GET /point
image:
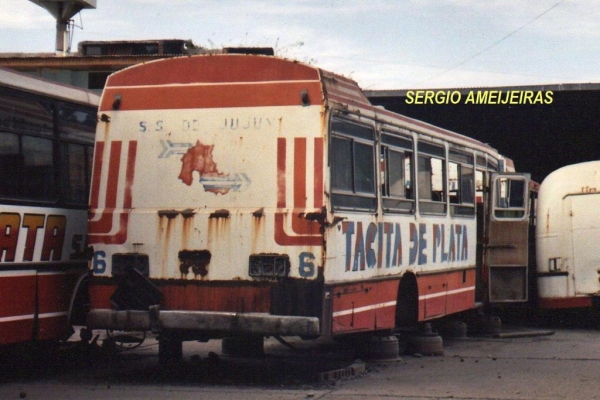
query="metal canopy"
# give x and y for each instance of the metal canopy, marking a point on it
(63, 11)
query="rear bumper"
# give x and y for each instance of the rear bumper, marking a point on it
(209, 322)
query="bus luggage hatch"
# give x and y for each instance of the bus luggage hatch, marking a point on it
(506, 250)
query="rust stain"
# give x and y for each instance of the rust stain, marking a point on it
(188, 224)
(218, 221)
(168, 230)
(165, 227)
(185, 233)
(220, 214)
(106, 127)
(258, 217)
(169, 214)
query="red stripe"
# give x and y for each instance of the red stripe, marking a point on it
(352, 297)
(312, 236)
(100, 295)
(318, 188)
(130, 173)
(213, 68)
(113, 174)
(105, 223)
(305, 233)
(52, 328)
(212, 96)
(299, 172)
(441, 303)
(564, 302)
(99, 229)
(118, 238)
(300, 225)
(53, 295)
(54, 292)
(16, 331)
(197, 297)
(281, 182)
(18, 295)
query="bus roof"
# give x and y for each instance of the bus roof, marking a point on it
(264, 80)
(31, 84)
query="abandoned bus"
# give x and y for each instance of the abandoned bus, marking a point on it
(567, 233)
(46, 147)
(251, 195)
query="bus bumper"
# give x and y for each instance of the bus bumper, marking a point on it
(210, 322)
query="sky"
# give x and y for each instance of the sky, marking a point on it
(382, 44)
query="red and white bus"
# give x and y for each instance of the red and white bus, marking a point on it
(251, 195)
(46, 148)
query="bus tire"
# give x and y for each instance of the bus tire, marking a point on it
(170, 350)
(407, 305)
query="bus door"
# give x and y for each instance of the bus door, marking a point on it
(506, 240)
(482, 203)
(584, 236)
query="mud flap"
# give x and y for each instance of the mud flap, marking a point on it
(135, 292)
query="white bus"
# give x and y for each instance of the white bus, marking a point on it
(46, 149)
(567, 235)
(250, 195)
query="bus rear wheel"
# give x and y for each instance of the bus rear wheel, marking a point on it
(407, 305)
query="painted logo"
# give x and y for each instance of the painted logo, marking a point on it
(199, 158)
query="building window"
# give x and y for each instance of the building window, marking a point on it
(93, 51)
(97, 80)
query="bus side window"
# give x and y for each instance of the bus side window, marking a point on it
(396, 172)
(352, 160)
(11, 165)
(479, 186)
(461, 183)
(38, 169)
(431, 178)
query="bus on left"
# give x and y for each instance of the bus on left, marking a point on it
(46, 149)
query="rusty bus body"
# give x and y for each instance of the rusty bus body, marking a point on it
(567, 233)
(46, 140)
(251, 195)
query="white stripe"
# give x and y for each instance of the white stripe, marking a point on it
(29, 272)
(30, 316)
(54, 314)
(46, 273)
(449, 292)
(11, 274)
(365, 308)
